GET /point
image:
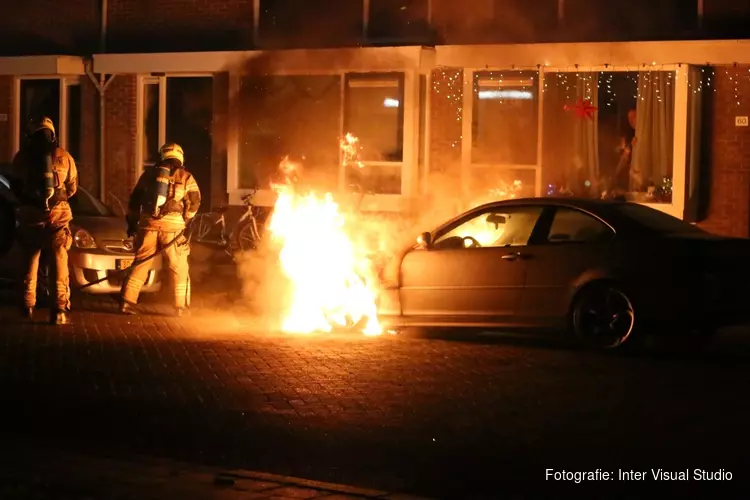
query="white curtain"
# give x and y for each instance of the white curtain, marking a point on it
(654, 131)
(586, 132)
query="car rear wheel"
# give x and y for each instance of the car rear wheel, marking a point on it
(603, 317)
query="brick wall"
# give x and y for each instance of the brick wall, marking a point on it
(179, 25)
(120, 137)
(31, 27)
(88, 161)
(445, 125)
(218, 195)
(726, 153)
(6, 127)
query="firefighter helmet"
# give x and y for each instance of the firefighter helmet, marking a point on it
(45, 123)
(172, 151)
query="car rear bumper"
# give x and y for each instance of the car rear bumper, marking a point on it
(711, 303)
(87, 268)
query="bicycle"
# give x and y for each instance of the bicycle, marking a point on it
(244, 236)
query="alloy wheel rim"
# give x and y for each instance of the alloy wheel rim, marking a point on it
(605, 319)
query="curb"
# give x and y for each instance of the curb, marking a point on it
(148, 470)
(233, 475)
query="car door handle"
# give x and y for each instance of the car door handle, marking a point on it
(514, 256)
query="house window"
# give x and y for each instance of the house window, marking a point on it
(289, 116)
(189, 115)
(504, 134)
(374, 113)
(505, 118)
(397, 19)
(39, 98)
(609, 134)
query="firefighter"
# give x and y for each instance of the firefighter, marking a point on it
(164, 201)
(47, 177)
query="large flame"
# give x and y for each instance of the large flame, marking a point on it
(332, 282)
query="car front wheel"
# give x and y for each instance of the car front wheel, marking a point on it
(603, 317)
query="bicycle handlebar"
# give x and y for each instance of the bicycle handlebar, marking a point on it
(249, 196)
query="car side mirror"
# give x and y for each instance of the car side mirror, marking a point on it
(425, 239)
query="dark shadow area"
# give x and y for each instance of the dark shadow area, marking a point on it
(131, 397)
(286, 24)
(194, 39)
(21, 43)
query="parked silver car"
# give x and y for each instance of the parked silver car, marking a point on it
(100, 250)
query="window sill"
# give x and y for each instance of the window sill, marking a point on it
(370, 203)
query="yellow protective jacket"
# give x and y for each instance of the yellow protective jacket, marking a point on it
(66, 185)
(183, 201)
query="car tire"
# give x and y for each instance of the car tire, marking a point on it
(603, 317)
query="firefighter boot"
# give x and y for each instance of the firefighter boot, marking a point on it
(127, 308)
(27, 312)
(59, 318)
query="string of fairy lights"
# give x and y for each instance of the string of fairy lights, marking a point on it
(449, 81)
(586, 85)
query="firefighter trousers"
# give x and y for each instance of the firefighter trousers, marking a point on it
(147, 243)
(52, 242)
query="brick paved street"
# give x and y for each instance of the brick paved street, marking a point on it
(434, 417)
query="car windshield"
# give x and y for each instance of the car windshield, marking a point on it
(657, 221)
(85, 205)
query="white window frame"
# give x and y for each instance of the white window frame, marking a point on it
(374, 202)
(680, 140)
(161, 81)
(61, 128)
(467, 136)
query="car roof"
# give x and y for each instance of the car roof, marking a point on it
(584, 203)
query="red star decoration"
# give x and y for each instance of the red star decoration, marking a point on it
(583, 109)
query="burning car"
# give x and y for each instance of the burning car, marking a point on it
(101, 250)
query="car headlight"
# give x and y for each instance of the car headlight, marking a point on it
(84, 239)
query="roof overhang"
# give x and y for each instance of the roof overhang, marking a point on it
(566, 55)
(298, 61)
(42, 65)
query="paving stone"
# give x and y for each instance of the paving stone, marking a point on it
(293, 492)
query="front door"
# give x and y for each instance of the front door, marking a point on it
(574, 244)
(475, 268)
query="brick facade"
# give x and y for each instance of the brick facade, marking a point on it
(726, 153)
(179, 25)
(120, 138)
(88, 162)
(32, 27)
(6, 127)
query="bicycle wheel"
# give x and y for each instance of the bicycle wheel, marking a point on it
(202, 226)
(246, 237)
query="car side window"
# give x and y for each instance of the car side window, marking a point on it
(573, 226)
(511, 226)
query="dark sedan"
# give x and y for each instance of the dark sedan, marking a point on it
(606, 271)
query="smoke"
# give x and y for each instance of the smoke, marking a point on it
(296, 120)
